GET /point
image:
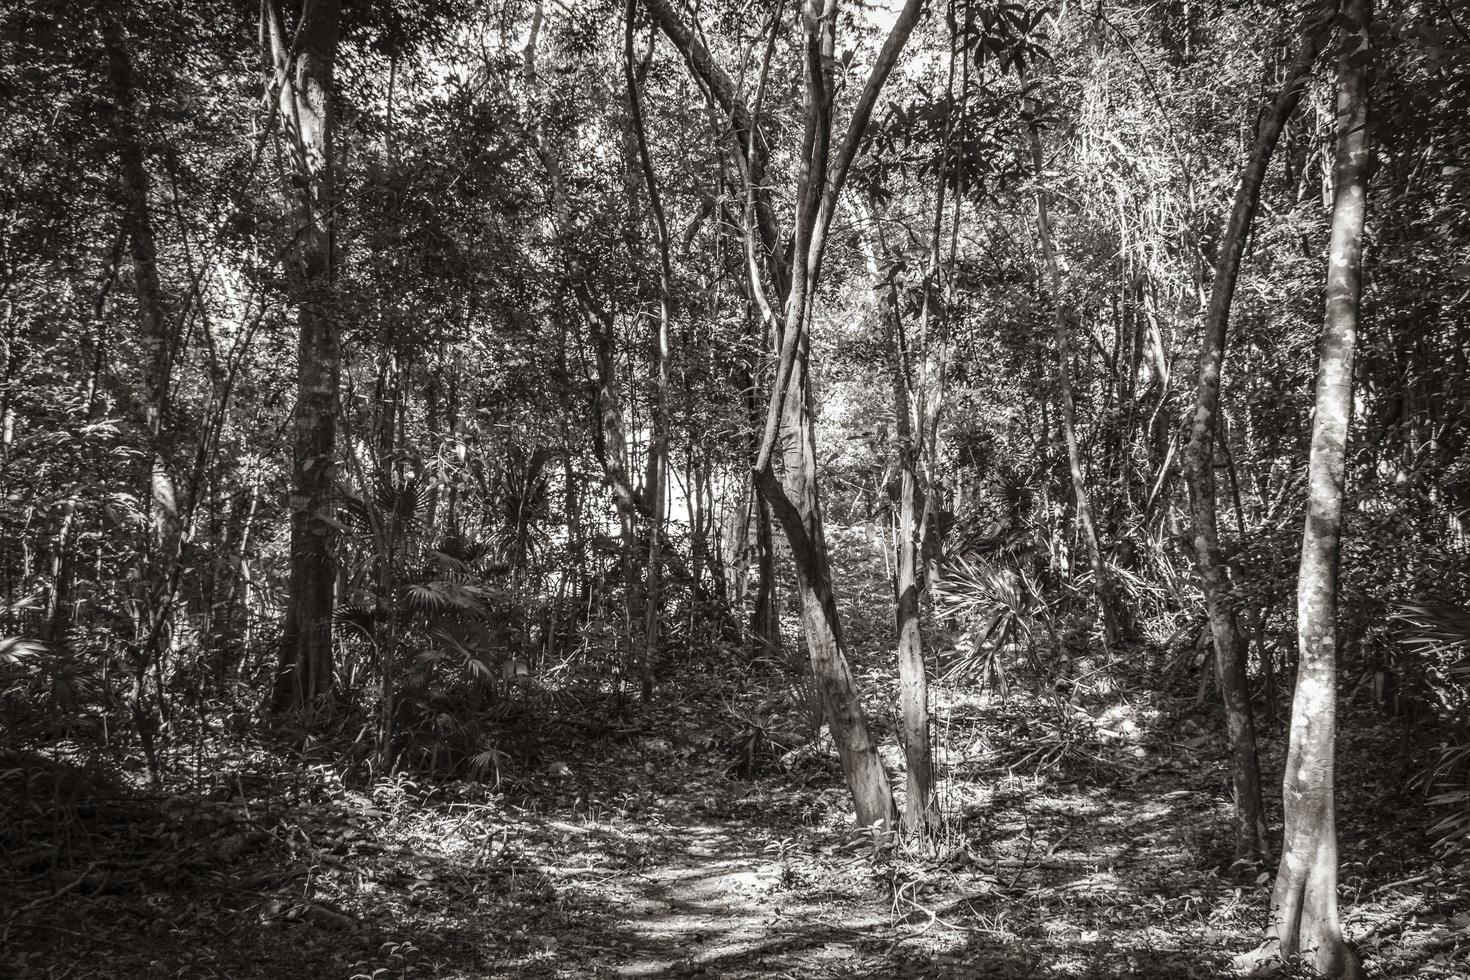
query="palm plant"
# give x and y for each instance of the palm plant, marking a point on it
(408, 589)
(1439, 636)
(1002, 608)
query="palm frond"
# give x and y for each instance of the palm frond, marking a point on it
(445, 595)
(19, 649)
(1433, 630)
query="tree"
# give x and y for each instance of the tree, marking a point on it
(1199, 459)
(795, 499)
(1304, 913)
(795, 274)
(160, 552)
(656, 488)
(301, 57)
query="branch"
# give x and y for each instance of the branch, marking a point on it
(862, 113)
(750, 145)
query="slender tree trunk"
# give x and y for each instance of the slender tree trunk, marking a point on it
(912, 678)
(1113, 629)
(1199, 467)
(911, 429)
(658, 448)
(303, 79)
(765, 619)
(155, 331)
(159, 551)
(765, 622)
(1304, 913)
(614, 453)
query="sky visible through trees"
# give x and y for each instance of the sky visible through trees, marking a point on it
(933, 488)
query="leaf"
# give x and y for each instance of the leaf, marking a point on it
(15, 649)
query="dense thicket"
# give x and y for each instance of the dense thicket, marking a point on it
(358, 363)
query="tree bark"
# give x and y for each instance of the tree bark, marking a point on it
(1304, 912)
(159, 550)
(913, 681)
(1199, 466)
(911, 429)
(303, 81)
(841, 702)
(765, 622)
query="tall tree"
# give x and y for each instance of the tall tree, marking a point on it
(301, 56)
(1199, 458)
(790, 422)
(1304, 913)
(159, 554)
(656, 489)
(791, 419)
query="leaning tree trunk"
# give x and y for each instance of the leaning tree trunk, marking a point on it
(303, 76)
(795, 275)
(1199, 468)
(797, 506)
(1304, 914)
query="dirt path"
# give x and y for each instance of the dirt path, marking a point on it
(689, 873)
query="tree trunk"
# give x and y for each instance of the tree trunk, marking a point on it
(1199, 467)
(911, 430)
(1113, 630)
(613, 446)
(765, 622)
(1304, 904)
(155, 332)
(796, 503)
(658, 446)
(303, 76)
(913, 682)
(160, 549)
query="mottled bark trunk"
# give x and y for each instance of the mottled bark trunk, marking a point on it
(159, 551)
(231, 594)
(1113, 630)
(1199, 467)
(1304, 910)
(913, 682)
(765, 622)
(614, 455)
(303, 78)
(797, 506)
(794, 499)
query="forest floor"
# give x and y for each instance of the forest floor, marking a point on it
(682, 839)
(640, 852)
